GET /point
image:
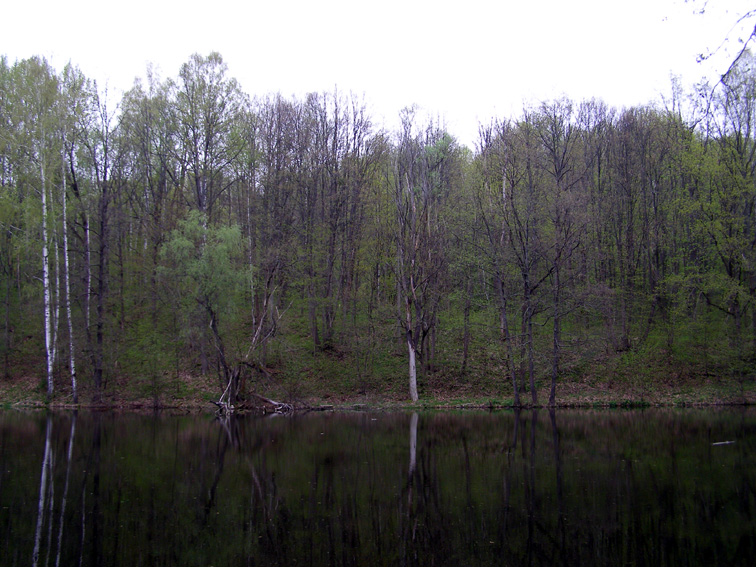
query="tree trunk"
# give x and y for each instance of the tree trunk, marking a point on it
(506, 337)
(49, 350)
(56, 292)
(527, 347)
(67, 299)
(102, 287)
(313, 322)
(8, 330)
(412, 367)
(556, 338)
(88, 270)
(531, 361)
(466, 332)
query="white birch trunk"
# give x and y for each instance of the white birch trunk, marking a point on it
(88, 301)
(49, 351)
(251, 253)
(55, 292)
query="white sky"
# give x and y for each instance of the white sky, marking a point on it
(466, 61)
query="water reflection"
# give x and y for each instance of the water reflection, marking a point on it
(510, 488)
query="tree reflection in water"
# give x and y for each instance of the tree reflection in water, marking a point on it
(511, 488)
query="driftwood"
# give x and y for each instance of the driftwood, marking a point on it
(224, 408)
(269, 406)
(277, 407)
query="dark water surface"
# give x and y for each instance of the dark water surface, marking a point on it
(673, 487)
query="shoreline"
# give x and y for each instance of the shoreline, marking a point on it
(195, 406)
(194, 394)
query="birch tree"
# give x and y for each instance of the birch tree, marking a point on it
(73, 97)
(37, 144)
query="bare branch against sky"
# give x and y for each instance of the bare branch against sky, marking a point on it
(466, 62)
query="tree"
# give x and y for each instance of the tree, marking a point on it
(419, 183)
(727, 207)
(102, 161)
(207, 106)
(335, 155)
(741, 32)
(35, 128)
(202, 266)
(492, 207)
(72, 97)
(560, 138)
(149, 137)
(522, 191)
(272, 210)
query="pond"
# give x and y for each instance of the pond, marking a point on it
(645, 487)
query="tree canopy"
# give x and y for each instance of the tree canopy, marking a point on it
(189, 228)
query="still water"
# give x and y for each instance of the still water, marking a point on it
(672, 487)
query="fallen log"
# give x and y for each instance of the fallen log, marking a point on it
(277, 407)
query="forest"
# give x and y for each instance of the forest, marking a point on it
(189, 229)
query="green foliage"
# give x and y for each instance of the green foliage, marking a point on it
(295, 241)
(205, 262)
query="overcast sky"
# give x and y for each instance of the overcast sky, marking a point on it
(465, 61)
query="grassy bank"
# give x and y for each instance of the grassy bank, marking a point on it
(699, 369)
(331, 380)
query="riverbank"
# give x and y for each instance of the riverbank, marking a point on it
(194, 394)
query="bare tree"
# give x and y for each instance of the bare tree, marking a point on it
(419, 181)
(560, 137)
(35, 125)
(492, 206)
(742, 33)
(522, 191)
(101, 161)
